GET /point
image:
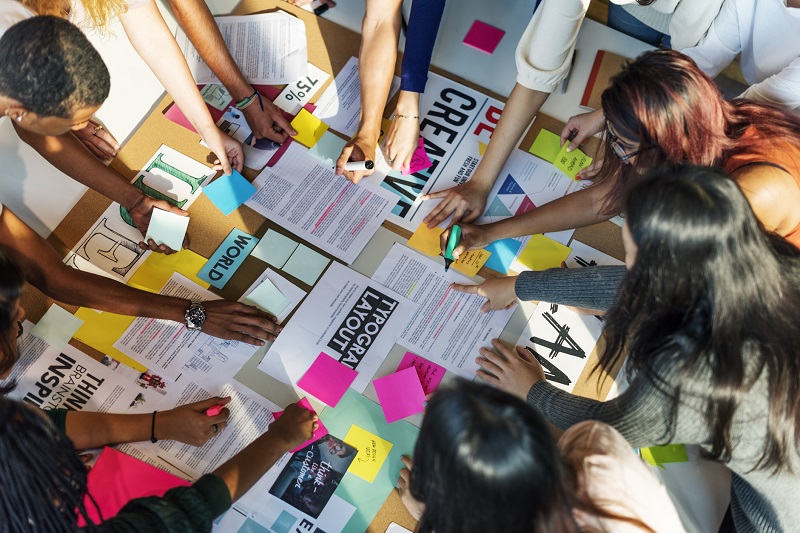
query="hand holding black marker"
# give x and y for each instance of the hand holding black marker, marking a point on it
(354, 166)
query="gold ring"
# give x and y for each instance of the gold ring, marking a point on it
(97, 128)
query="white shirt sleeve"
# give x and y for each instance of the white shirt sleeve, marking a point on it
(544, 52)
(691, 20)
(781, 89)
(721, 43)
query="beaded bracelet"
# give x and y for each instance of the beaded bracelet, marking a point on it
(244, 103)
(153, 438)
(406, 116)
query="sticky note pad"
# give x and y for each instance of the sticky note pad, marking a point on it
(372, 452)
(327, 379)
(658, 455)
(471, 261)
(318, 434)
(570, 163)
(542, 253)
(483, 37)
(57, 326)
(268, 298)
(547, 145)
(275, 248)
(400, 394)
(429, 374)
(503, 254)
(306, 265)
(419, 160)
(309, 128)
(328, 148)
(228, 192)
(167, 228)
(228, 258)
(426, 240)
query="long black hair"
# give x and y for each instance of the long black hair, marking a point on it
(711, 291)
(42, 480)
(486, 461)
(11, 284)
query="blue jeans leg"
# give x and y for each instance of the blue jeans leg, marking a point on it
(621, 20)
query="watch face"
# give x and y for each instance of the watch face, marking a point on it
(195, 317)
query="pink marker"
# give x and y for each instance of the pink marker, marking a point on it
(214, 410)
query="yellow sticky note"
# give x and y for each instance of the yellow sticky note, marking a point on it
(471, 261)
(542, 253)
(385, 125)
(570, 163)
(309, 128)
(102, 330)
(547, 145)
(372, 452)
(426, 240)
(482, 148)
(157, 269)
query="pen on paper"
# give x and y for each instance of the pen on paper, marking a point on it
(359, 165)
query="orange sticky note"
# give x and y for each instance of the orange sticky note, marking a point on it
(542, 253)
(309, 128)
(471, 261)
(427, 241)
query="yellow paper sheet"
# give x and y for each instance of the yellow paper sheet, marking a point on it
(385, 125)
(547, 145)
(309, 128)
(542, 253)
(372, 452)
(157, 269)
(102, 330)
(427, 241)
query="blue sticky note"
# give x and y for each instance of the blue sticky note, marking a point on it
(328, 148)
(306, 265)
(229, 191)
(503, 254)
(275, 248)
(228, 258)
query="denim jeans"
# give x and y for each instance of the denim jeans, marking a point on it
(621, 20)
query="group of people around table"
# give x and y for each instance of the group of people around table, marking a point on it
(704, 312)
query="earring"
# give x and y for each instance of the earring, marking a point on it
(19, 118)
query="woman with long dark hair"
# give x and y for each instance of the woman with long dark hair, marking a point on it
(708, 317)
(485, 461)
(659, 109)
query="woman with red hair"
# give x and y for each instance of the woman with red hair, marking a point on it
(661, 108)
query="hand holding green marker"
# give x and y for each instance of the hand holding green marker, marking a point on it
(452, 241)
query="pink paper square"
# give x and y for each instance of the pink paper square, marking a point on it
(419, 160)
(400, 394)
(430, 374)
(117, 478)
(327, 379)
(318, 434)
(483, 37)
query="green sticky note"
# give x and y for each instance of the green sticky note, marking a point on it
(354, 412)
(268, 298)
(328, 148)
(309, 128)
(542, 253)
(306, 265)
(570, 163)
(167, 228)
(547, 145)
(57, 326)
(658, 455)
(275, 248)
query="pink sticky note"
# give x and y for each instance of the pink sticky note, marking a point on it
(483, 37)
(117, 478)
(318, 434)
(327, 379)
(420, 160)
(400, 394)
(430, 374)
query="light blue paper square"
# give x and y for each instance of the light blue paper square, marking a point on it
(306, 265)
(167, 228)
(57, 326)
(328, 148)
(230, 191)
(503, 254)
(275, 248)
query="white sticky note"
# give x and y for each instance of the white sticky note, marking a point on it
(167, 228)
(274, 248)
(306, 265)
(268, 298)
(57, 326)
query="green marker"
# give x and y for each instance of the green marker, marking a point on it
(452, 241)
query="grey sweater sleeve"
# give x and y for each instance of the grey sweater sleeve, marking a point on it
(589, 287)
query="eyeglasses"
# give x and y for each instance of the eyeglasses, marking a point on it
(21, 330)
(619, 150)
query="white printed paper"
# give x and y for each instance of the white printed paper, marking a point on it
(349, 317)
(583, 255)
(171, 349)
(448, 327)
(307, 198)
(340, 105)
(268, 48)
(297, 94)
(562, 341)
(290, 291)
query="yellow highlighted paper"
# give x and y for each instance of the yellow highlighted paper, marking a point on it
(157, 269)
(309, 128)
(102, 330)
(372, 452)
(427, 241)
(542, 253)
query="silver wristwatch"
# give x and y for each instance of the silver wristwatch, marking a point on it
(195, 316)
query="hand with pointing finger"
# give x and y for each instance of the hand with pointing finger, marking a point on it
(499, 292)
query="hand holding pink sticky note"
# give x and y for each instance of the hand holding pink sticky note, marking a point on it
(419, 160)
(318, 434)
(400, 394)
(430, 374)
(327, 379)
